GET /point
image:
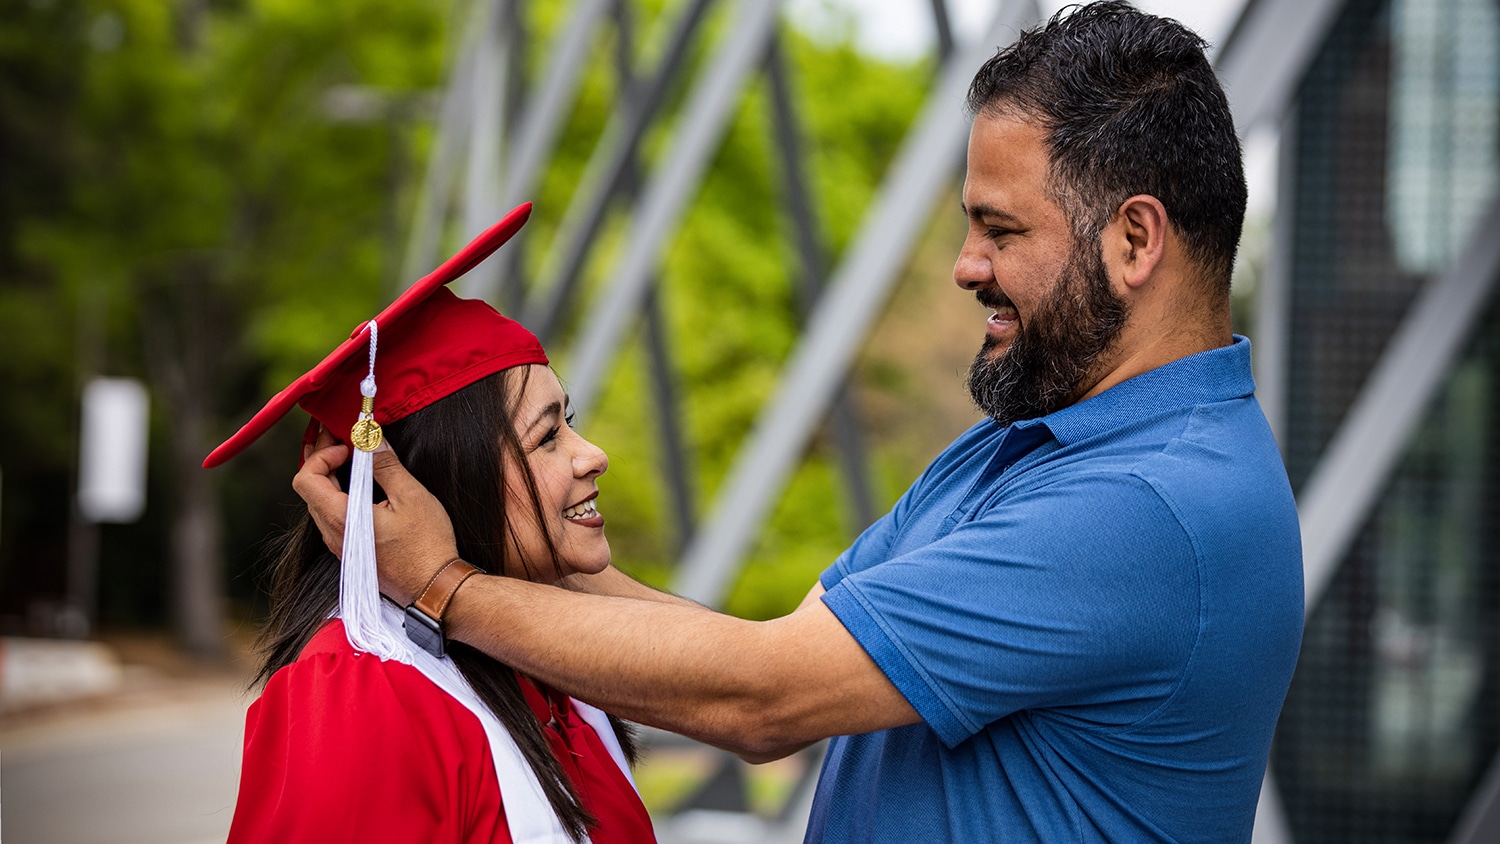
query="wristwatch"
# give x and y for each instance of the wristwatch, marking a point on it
(424, 617)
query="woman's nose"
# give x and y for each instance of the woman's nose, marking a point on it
(589, 460)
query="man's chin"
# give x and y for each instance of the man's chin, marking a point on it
(993, 347)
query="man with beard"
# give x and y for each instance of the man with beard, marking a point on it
(1080, 623)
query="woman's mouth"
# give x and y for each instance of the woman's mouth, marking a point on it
(585, 513)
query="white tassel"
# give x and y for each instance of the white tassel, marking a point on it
(359, 584)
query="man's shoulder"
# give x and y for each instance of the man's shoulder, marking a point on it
(1210, 468)
(1223, 454)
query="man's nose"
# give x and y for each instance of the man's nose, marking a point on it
(971, 271)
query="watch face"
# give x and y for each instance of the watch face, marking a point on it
(423, 631)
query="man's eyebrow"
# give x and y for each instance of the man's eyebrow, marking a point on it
(981, 211)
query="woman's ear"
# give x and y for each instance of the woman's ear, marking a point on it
(1135, 240)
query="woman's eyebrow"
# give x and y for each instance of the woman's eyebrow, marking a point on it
(551, 410)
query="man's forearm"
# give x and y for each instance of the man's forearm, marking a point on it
(618, 584)
(761, 689)
(668, 676)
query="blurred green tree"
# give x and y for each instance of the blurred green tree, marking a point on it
(192, 212)
(187, 196)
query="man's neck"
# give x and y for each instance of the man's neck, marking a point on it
(1147, 344)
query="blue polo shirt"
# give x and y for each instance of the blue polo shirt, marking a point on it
(1096, 614)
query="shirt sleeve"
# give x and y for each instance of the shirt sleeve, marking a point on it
(1081, 597)
(343, 747)
(873, 545)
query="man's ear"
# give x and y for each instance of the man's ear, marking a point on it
(1135, 240)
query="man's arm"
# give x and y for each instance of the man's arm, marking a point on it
(612, 581)
(760, 689)
(316, 477)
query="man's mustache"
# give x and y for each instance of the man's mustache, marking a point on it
(991, 297)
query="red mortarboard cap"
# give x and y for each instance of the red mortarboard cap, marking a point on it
(431, 344)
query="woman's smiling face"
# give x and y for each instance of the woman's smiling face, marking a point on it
(566, 468)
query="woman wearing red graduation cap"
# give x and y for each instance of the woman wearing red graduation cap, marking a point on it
(371, 726)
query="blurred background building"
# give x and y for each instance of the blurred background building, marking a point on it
(1379, 329)
(745, 222)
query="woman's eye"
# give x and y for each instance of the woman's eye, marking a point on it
(550, 437)
(571, 417)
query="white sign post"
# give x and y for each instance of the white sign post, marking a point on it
(111, 486)
(112, 450)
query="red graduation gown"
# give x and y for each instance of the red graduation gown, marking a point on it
(344, 747)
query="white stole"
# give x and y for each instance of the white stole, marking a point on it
(527, 810)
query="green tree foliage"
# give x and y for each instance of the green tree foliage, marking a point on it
(209, 194)
(191, 213)
(728, 282)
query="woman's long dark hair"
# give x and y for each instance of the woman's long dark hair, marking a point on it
(457, 447)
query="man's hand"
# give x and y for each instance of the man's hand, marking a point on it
(413, 535)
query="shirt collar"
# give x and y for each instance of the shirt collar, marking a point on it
(1216, 375)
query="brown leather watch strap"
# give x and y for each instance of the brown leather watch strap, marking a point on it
(433, 601)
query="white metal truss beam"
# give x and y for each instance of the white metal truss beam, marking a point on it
(535, 134)
(704, 122)
(547, 111)
(1270, 818)
(485, 171)
(1268, 52)
(613, 158)
(1480, 822)
(1273, 299)
(854, 297)
(1344, 487)
(471, 126)
(1261, 64)
(453, 128)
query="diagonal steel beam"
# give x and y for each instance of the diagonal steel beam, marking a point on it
(453, 130)
(807, 235)
(1480, 821)
(543, 116)
(601, 180)
(857, 290)
(488, 132)
(1342, 491)
(1270, 818)
(942, 26)
(1273, 299)
(1266, 54)
(1344, 488)
(1261, 65)
(704, 122)
(481, 65)
(676, 461)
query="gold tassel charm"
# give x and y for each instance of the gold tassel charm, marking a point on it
(366, 435)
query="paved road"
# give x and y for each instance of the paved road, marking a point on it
(159, 764)
(156, 766)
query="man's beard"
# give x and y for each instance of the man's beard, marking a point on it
(1055, 349)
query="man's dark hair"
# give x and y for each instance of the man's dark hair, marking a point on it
(1130, 106)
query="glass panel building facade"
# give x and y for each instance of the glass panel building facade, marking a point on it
(1393, 718)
